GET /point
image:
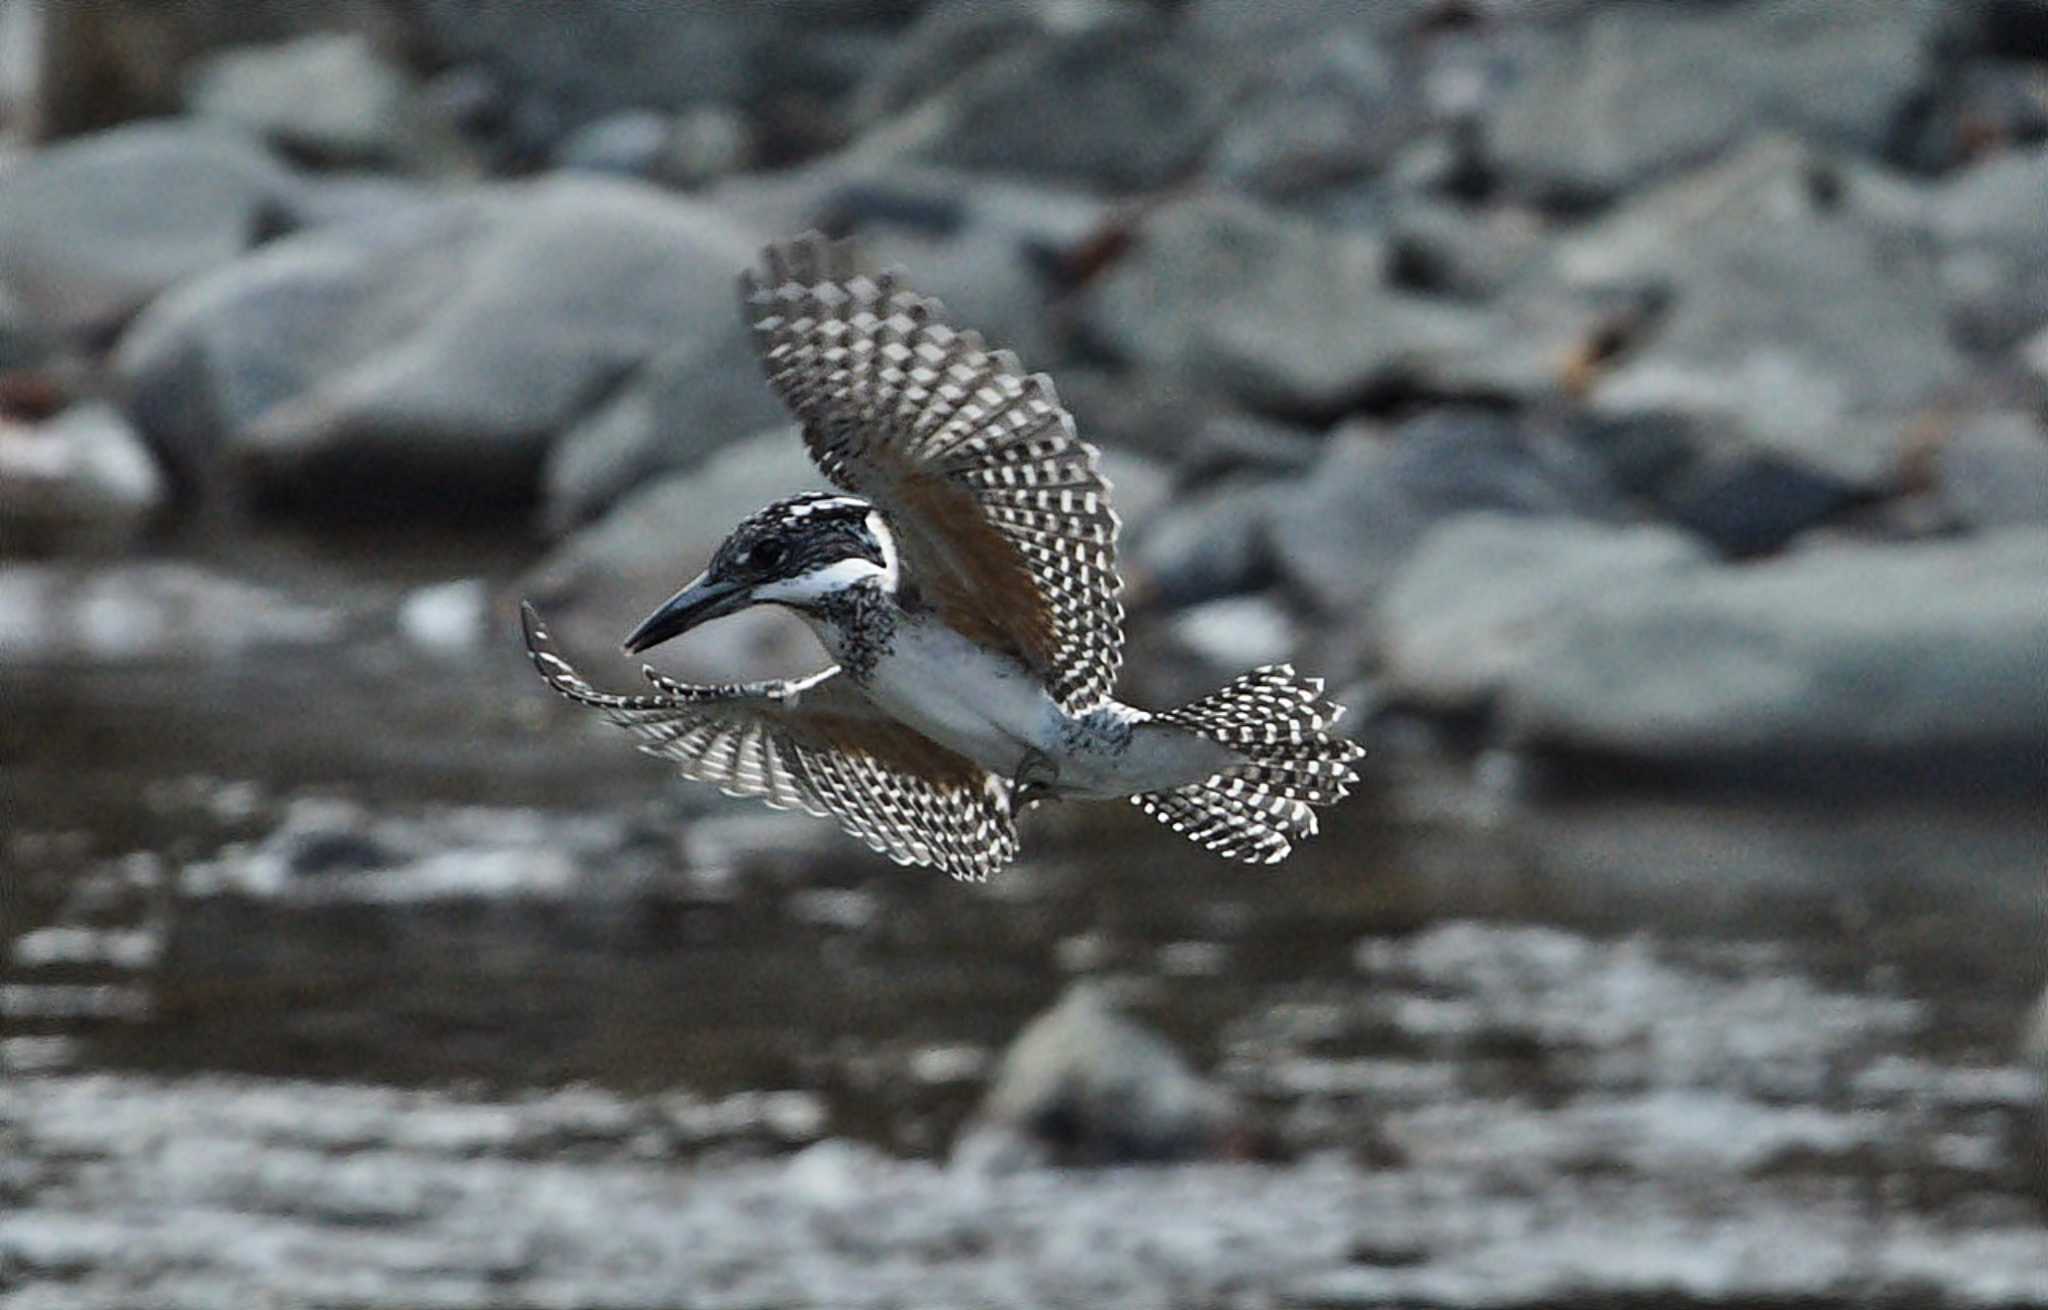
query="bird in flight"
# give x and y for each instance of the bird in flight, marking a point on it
(965, 582)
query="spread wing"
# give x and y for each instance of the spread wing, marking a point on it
(999, 508)
(815, 744)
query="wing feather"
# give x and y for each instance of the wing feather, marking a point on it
(815, 744)
(1001, 510)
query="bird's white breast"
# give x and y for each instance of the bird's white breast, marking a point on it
(963, 696)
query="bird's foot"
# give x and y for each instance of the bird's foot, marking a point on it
(1034, 780)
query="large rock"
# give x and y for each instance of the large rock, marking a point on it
(1993, 471)
(82, 481)
(1991, 222)
(92, 230)
(1352, 520)
(1299, 319)
(584, 61)
(1120, 106)
(1212, 544)
(688, 402)
(1807, 318)
(949, 43)
(1085, 1084)
(1702, 472)
(1453, 624)
(1632, 646)
(442, 348)
(1643, 89)
(1334, 109)
(327, 95)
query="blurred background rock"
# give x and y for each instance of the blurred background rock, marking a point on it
(1639, 411)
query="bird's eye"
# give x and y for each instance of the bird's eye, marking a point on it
(766, 554)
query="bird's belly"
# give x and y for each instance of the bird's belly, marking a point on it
(986, 707)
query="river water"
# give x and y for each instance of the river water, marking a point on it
(359, 973)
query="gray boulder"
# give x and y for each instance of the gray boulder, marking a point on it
(1993, 471)
(1991, 222)
(1250, 30)
(689, 401)
(949, 43)
(1814, 329)
(1343, 529)
(1298, 319)
(1084, 1084)
(584, 61)
(1211, 544)
(1335, 109)
(1702, 472)
(1120, 106)
(445, 346)
(1635, 648)
(1453, 624)
(1641, 90)
(95, 228)
(327, 95)
(81, 482)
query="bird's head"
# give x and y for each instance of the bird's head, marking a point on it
(800, 552)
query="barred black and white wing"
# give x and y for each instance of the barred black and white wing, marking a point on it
(1291, 760)
(1000, 509)
(816, 744)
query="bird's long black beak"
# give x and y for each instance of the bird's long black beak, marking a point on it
(700, 602)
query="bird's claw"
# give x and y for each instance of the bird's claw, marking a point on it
(1034, 780)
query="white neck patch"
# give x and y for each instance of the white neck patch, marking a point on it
(878, 527)
(808, 588)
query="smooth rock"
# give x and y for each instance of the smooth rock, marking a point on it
(1140, 487)
(1349, 523)
(631, 143)
(1993, 471)
(1337, 108)
(1642, 90)
(93, 229)
(440, 350)
(591, 59)
(24, 342)
(1213, 543)
(447, 618)
(81, 482)
(1818, 333)
(686, 403)
(1700, 472)
(1912, 653)
(1253, 29)
(949, 42)
(327, 95)
(1085, 1084)
(1452, 624)
(1312, 328)
(1132, 110)
(1991, 222)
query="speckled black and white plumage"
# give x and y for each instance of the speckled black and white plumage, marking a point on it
(930, 424)
(1255, 811)
(818, 745)
(968, 590)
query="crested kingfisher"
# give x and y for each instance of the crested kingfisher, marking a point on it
(965, 583)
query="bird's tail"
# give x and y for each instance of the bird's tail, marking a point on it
(1284, 729)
